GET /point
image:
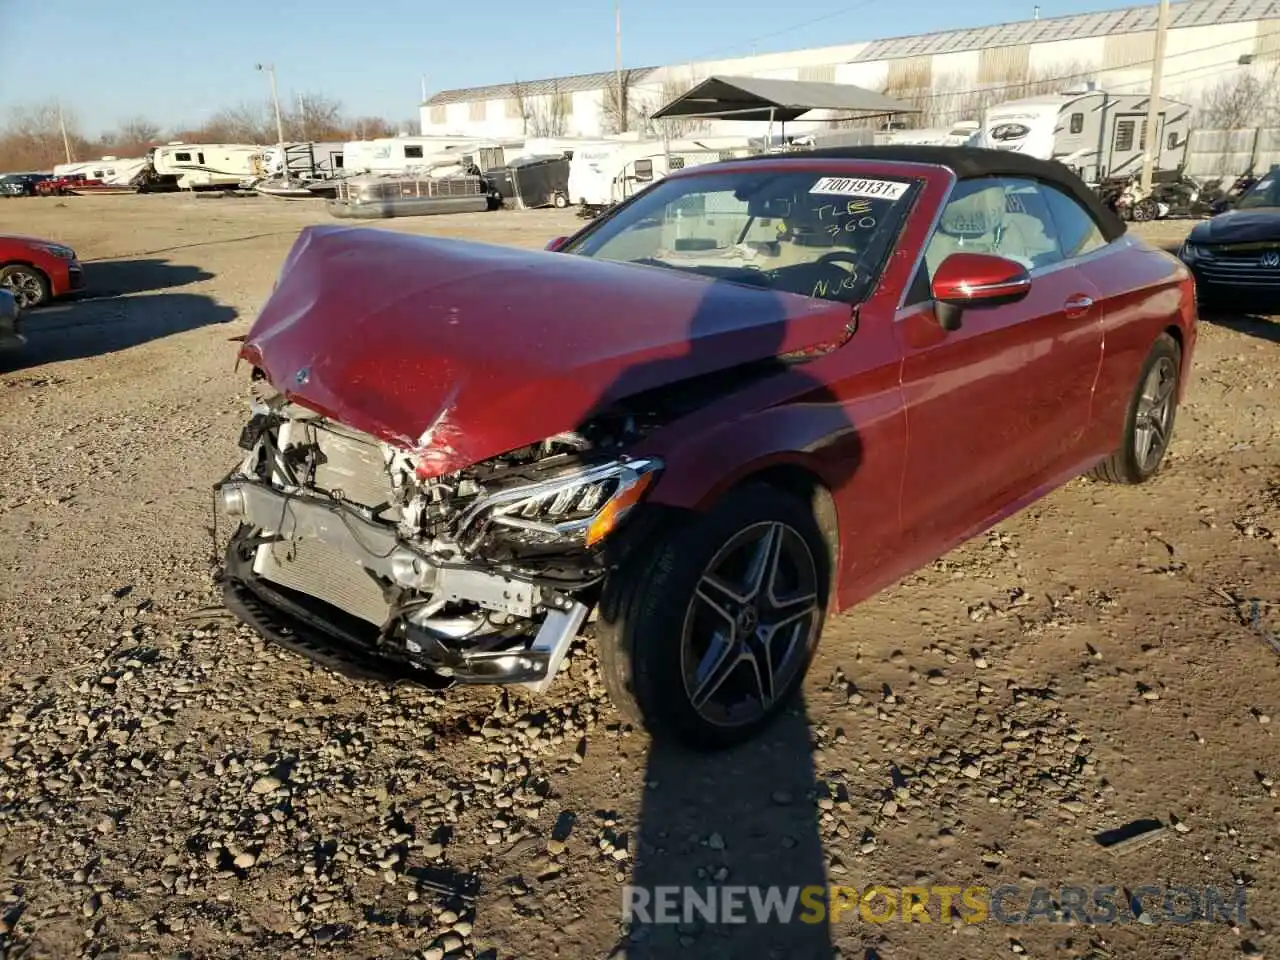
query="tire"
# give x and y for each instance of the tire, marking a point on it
(1145, 210)
(560, 201)
(656, 629)
(28, 285)
(1156, 395)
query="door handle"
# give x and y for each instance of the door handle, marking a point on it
(1077, 306)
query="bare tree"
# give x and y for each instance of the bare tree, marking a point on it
(1244, 100)
(317, 117)
(618, 106)
(549, 114)
(674, 128)
(522, 107)
(136, 135)
(370, 128)
(952, 97)
(33, 138)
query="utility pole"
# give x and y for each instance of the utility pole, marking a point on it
(66, 141)
(1153, 141)
(302, 115)
(621, 100)
(275, 99)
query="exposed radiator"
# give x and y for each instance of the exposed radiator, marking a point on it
(318, 570)
(353, 466)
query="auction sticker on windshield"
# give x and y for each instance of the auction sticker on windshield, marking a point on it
(860, 187)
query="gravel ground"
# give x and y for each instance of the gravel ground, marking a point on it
(171, 787)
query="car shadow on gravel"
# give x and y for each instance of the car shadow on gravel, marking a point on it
(1249, 324)
(744, 818)
(736, 829)
(119, 278)
(75, 330)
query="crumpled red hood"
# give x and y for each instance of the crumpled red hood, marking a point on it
(462, 351)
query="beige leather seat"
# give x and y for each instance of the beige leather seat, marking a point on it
(988, 218)
(972, 222)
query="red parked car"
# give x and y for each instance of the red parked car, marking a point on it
(757, 392)
(37, 271)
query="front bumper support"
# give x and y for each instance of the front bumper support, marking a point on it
(401, 651)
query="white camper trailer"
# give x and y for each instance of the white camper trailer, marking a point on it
(201, 165)
(307, 161)
(398, 155)
(1098, 134)
(601, 176)
(954, 136)
(112, 171)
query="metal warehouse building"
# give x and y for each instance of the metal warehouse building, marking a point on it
(1211, 45)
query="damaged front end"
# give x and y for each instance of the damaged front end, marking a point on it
(350, 551)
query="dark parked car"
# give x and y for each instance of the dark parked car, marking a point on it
(757, 392)
(10, 322)
(1235, 256)
(21, 184)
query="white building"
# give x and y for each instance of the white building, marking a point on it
(950, 76)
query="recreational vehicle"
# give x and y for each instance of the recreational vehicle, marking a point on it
(110, 171)
(200, 165)
(953, 136)
(1098, 134)
(398, 155)
(600, 176)
(307, 161)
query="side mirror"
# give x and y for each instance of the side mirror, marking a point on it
(964, 281)
(557, 243)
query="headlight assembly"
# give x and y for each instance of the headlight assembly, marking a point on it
(1190, 252)
(583, 507)
(59, 251)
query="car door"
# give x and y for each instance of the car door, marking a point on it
(997, 408)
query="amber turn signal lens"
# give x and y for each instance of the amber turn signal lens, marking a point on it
(613, 511)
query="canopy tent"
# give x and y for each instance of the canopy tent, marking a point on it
(753, 98)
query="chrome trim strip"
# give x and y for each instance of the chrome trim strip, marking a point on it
(1002, 285)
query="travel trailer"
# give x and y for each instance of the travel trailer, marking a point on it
(111, 171)
(196, 166)
(953, 136)
(600, 176)
(307, 161)
(398, 155)
(1100, 135)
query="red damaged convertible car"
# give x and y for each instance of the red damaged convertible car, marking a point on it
(757, 392)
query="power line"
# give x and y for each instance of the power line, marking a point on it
(777, 33)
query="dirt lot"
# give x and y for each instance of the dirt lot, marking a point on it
(171, 788)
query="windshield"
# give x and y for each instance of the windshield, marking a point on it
(807, 233)
(1264, 193)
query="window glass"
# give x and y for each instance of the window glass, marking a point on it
(797, 232)
(1077, 122)
(1077, 232)
(1006, 217)
(1124, 135)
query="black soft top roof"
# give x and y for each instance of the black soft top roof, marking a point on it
(971, 163)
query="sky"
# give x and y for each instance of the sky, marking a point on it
(177, 62)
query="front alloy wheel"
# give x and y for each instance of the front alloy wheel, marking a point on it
(28, 286)
(706, 633)
(747, 630)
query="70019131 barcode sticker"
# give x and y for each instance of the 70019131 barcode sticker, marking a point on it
(860, 187)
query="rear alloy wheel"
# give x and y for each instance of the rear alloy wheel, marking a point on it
(1148, 426)
(1145, 210)
(708, 634)
(27, 284)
